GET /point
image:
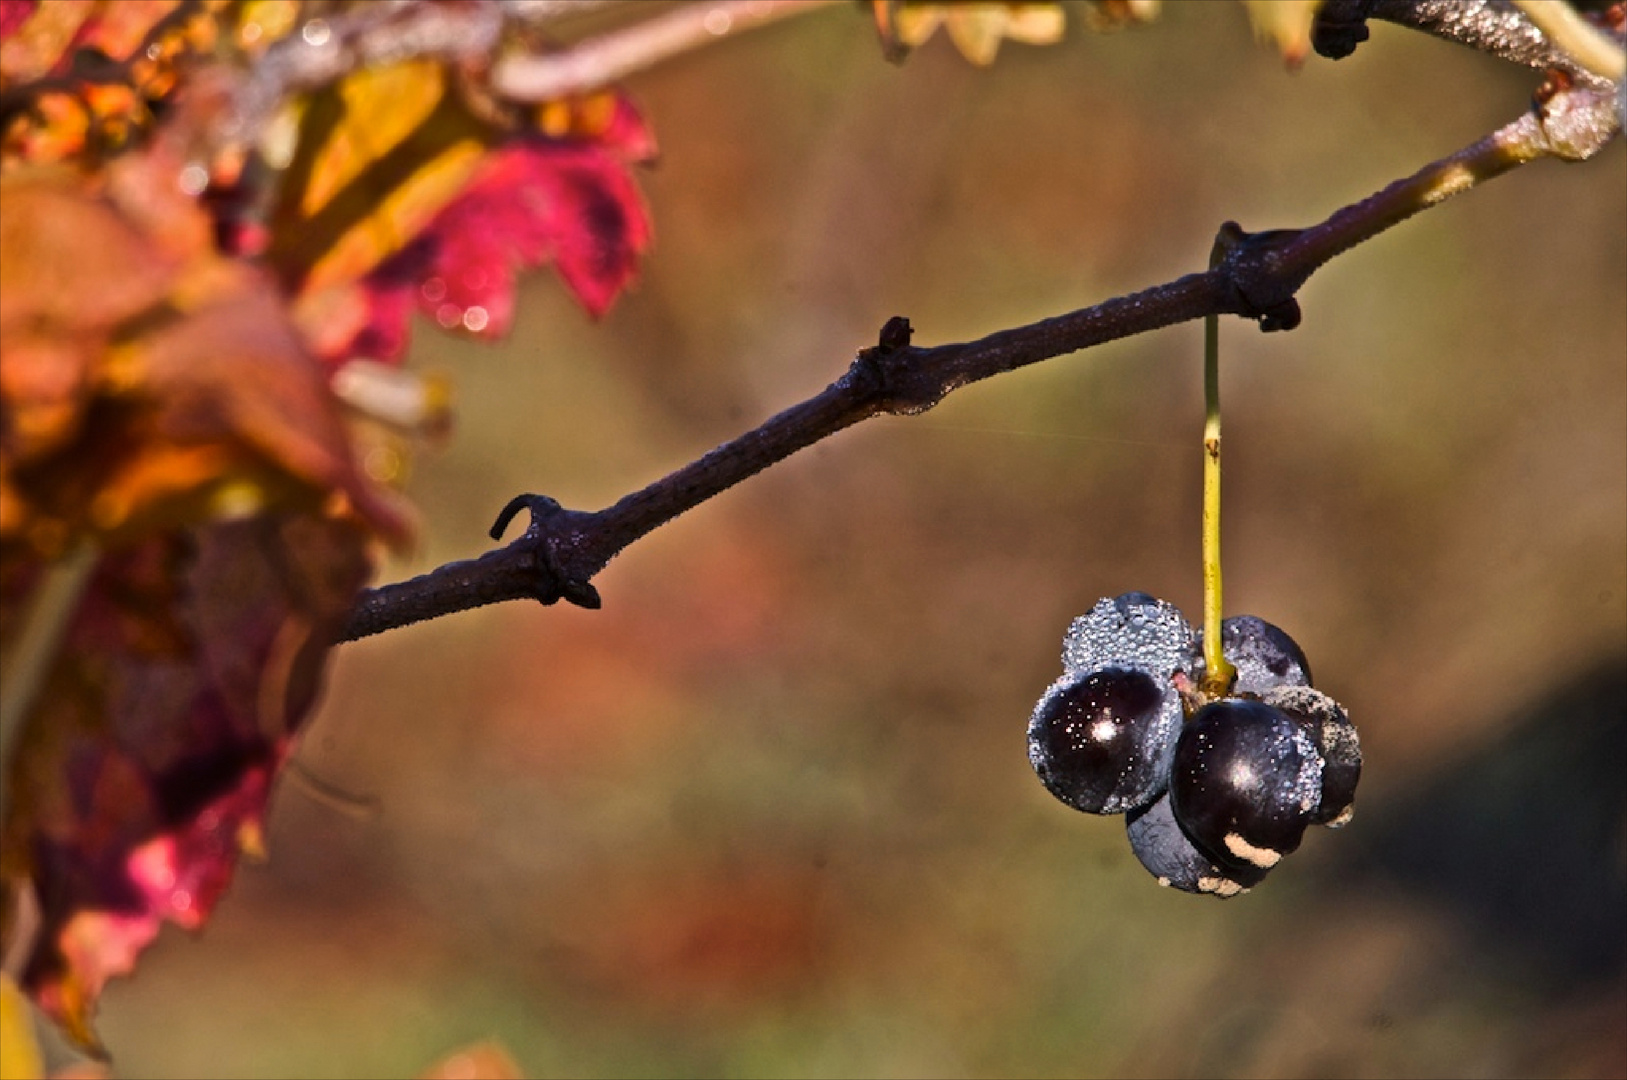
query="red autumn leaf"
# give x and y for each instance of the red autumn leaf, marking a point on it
(188, 665)
(13, 13)
(534, 201)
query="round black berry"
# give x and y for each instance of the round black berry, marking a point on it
(1265, 656)
(1134, 631)
(1336, 741)
(1246, 781)
(1171, 857)
(1102, 742)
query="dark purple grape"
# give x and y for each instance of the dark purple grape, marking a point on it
(1265, 656)
(1336, 741)
(1102, 742)
(1171, 857)
(1246, 781)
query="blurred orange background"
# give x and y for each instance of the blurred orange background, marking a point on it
(768, 813)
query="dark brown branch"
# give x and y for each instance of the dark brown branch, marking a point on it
(1257, 276)
(1494, 27)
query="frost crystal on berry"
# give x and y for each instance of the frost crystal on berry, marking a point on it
(1134, 631)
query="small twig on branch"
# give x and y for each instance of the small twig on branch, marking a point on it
(322, 51)
(598, 62)
(542, 12)
(1257, 277)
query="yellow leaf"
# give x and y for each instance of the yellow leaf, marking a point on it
(1285, 24)
(916, 22)
(381, 107)
(393, 148)
(1036, 24)
(975, 28)
(400, 216)
(263, 21)
(19, 1053)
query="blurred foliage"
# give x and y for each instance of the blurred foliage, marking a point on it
(186, 512)
(768, 813)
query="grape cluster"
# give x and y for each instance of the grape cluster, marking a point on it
(1214, 792)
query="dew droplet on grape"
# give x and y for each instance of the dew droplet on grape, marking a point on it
(1131, 631)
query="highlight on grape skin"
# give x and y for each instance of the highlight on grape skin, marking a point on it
(1245, 783)
(1102, 737)
(1102, 742)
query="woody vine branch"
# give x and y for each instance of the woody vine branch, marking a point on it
(1256, 276)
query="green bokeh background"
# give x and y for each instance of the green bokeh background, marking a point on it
(768, 813)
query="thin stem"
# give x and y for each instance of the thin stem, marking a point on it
(51, 609)
(542, 12)
(598, 62)
(324, 50)
(1219, 671)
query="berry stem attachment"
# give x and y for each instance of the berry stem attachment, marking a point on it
(1219, 671)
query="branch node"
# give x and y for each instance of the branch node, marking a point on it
(553, 583)
(877, 368)
(1260, 281)
(1339, 27)
(895, 334)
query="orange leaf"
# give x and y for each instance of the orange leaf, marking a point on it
(48, 221)
(35, 44)
(142, 387)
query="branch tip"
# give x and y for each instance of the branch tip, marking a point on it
(582, 594)
(1285, 316)
(541, 506)
(1339, 28)
(895, 334)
